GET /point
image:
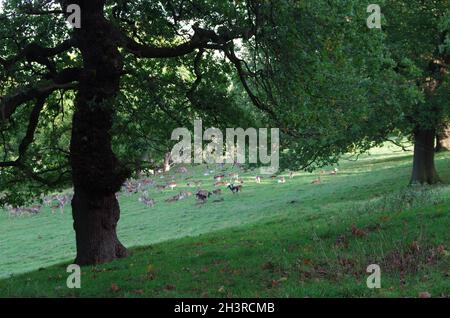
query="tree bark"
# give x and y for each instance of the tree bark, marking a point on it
(167, 158)
(97, 174)
(95, 222)
(443, 140)
(424, 170)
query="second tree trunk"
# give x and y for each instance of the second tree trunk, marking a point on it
(424, 170)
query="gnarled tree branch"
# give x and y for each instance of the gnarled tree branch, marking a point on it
(63, 80)
(34, 52)
(200, 40)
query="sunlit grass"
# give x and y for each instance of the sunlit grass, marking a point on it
(271, 240)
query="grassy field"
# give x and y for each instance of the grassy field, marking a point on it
(283, 240)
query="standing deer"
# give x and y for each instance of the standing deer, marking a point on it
(147, 200)
(235, 189)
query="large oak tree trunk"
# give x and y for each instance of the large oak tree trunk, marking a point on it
(97, 174)
(443, 140)
(95, 222)
(424, 170)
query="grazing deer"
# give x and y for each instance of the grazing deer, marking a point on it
(161, 187)
(147, 182)
(184, 195)
(203, 195)
(172, 185)
(194, 184)
(47, 200)
(331, 172)
(219, 178)
(35, 209)
(146, 200)
(282, 180)
(187, 194)
(220, 184)
(131, 187)
(235, 189)
(62, 201)
(12, 211)
(258, 179)
(174, 199)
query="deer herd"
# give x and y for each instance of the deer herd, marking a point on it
(56, 202)
(144, 184)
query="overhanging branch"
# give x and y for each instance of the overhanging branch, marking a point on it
(200, 40)
(63, 80)
(229, 53)
(34, 52)
(29, 136)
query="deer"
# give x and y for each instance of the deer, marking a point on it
(235, 189)
(131, 187)
(146, 200)
(220, 184)
(330, 172)
(61, 201)
(217, 192)
(172, 185)
(161, 187)
(181, 196)
(258, 179)
(35, 209)
(282, 180)
(12, 211)
(174, 199)
(47, 201)
(147, 182)
(202, 195)
(291, 175)
(194, 183)
(186, 194)
(219, 177)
